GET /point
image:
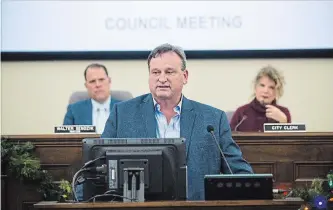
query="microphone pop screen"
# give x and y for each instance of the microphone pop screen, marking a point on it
(210, 128)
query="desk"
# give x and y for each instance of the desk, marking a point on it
(3, 189)
(292, 158)
(179, 205)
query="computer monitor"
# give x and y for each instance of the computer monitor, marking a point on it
(155, 166)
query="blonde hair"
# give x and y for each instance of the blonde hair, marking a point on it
(275, 76)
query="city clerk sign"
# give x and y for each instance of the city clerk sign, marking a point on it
(284, 127)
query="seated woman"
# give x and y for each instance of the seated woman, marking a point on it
(268, 87)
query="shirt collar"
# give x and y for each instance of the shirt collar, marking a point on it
(105, 105)
(177, 109)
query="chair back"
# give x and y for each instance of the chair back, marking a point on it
(115, 94)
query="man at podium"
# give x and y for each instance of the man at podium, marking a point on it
(167, 113)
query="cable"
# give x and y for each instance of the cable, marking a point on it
(78, 172)
(74, 183)
(106, 194)
(92, 161)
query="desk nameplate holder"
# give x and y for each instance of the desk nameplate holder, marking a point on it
(75, 129)
(284, 127)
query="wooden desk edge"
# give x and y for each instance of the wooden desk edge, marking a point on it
(234, 134)
(282, 202)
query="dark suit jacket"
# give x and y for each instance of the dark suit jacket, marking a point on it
(80, 113)
(135, 118)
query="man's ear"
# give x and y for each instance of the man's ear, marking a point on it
(109, 79)
(185, 77)
(85, 84)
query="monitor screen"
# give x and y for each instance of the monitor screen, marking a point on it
(59, 28)
(157, 166)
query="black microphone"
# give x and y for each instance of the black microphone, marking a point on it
(210, 130)
(243, 119)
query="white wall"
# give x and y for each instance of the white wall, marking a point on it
(35, 94)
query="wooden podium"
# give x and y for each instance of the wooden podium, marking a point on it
(294, 159)
(179, 205)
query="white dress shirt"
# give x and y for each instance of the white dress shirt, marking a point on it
(100, 114)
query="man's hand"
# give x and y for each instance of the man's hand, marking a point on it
(275, 114)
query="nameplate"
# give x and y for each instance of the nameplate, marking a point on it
(284, 127)
(75, 129)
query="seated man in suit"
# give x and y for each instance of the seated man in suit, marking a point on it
(94, 111)
(167, 113)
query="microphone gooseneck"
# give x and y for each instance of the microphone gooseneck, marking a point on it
(210, 130)
(240, 122)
